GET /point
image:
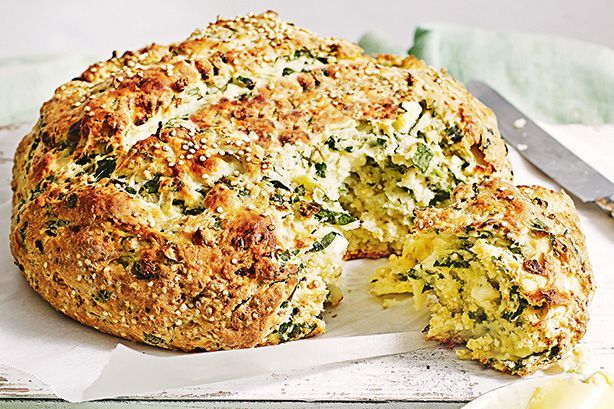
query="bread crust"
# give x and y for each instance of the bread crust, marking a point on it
(124, 217)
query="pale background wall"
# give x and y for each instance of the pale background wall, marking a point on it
(97, 27)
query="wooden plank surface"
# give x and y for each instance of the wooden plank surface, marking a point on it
(46, 404)
(424, 375)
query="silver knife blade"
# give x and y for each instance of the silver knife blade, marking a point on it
(543, 151)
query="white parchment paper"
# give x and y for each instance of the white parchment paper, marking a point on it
(80, 363)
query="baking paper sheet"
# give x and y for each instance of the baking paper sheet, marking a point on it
(80, 363)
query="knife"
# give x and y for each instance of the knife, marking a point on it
(545, 152)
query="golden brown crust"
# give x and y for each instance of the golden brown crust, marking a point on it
(130, 212)
(408, 61)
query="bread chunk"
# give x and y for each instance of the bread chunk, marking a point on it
(504, 272)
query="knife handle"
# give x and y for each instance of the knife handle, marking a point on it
(607, 204)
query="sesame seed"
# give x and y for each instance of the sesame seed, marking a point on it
(219, 209)
(202, 158)
(234, 261)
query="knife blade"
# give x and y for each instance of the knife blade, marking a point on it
(545, 152)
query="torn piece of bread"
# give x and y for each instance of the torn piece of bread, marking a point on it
(201, 195)
(504, 272)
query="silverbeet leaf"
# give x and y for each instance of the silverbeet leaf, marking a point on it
(52, 226)
(71, 202)
(103, 296)
(422, 157)
(320, 169)
(338, 218)
(539, 225)
(153, 185)
(152, 339)
(104, 168)
(244, 82)
(454, 133)
(323, 243)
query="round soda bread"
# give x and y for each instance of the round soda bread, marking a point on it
(504, 271)
(202, 195)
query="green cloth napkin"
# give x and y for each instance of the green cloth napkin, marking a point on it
(26, 83)
(551, 79)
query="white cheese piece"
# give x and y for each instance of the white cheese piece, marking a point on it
(406, 121)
